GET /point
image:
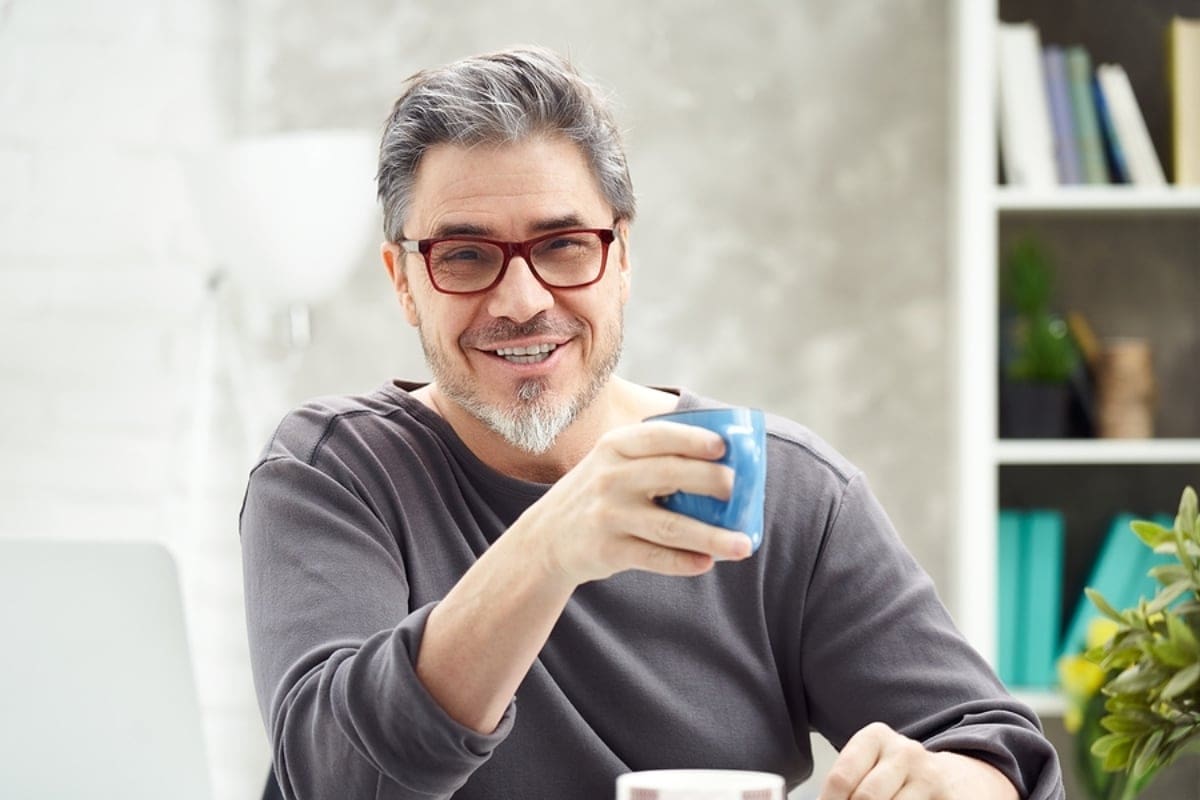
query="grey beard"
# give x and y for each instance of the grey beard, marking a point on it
(532, 424)
(534, 421)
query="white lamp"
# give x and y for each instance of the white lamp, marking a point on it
(286, 217)
(288, 214)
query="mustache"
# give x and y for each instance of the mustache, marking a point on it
(504, 330)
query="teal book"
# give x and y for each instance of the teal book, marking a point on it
(1043, 533)
(1009, 595)
(1089, 142)
(1116, 574)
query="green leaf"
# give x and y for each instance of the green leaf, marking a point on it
(1181, 635)
(1184, 550)
(1117, 755)
(1148, 756)
(1182, 681)
(1189, 518)
(1151, 533)
(1168, 574)
(1135, 679)
(1171, 654)
(1109, 742)
(1169, 595)
(1128, 723)
(1107, 610)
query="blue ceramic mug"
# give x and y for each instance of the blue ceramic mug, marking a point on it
(745, 435)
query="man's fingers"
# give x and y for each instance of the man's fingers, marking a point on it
(663, 475)
(676, 531)
(855, 762)
(659, 437)
(650, 557)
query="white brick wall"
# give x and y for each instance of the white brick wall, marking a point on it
(101, 295)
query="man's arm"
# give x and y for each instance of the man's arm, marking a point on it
(598, 520)
(879, 646)
(362, 692)
(881, 764)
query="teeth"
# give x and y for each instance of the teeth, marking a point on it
(532, 350)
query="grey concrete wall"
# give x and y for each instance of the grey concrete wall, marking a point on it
(790, 162)
(789, 158)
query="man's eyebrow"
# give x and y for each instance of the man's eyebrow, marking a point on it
(557, 223)
(461, 229)
(562, 222)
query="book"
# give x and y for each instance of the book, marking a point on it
(1026, 135)
(1066, 155)
(1043, 536)
(1183, 72)
(1087, 127)
(1144, 167)
(1117, 167)
(1010, 593)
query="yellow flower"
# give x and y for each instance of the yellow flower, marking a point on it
(1100, 630)
(1081, 679)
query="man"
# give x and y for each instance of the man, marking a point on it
(466, 588)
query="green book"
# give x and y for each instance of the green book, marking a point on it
(1009, 596)
(1088, 143)
(1043, 533)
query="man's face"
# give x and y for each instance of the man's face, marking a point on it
(513, 192)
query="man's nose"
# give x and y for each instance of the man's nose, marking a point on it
(519, 296)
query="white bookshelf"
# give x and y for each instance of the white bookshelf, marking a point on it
(1097, 199)
(981, 206)
(1098, 452)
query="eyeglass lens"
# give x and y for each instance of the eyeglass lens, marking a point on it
(569, 259)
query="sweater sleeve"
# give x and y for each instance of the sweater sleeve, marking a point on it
(333, 646)
(902, 661)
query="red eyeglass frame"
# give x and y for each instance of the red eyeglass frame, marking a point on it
(523, 249)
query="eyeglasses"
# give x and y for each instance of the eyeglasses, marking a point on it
(468, 264)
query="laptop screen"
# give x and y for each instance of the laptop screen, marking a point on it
(97, 697)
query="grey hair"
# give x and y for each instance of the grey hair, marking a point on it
(499, 98)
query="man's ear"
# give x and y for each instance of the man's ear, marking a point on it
(393, 261)
(624, 264)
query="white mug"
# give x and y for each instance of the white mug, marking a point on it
(699, 784)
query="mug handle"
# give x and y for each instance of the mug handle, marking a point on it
(742, 456)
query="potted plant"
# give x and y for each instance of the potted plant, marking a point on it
(1040, 356)
(1152, 662)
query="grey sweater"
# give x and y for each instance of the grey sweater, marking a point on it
(364, 512)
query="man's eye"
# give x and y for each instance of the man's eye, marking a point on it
(462, 254)
(563, 243)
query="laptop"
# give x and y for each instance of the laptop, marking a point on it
(97, 697)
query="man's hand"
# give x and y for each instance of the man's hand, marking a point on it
(600, 518)
(880, 764)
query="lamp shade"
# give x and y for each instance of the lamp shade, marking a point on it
(288, 214)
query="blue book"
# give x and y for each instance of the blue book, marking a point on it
(1062, 116)
(1043, 533)
(1108, 132)
(1010, 593)
(1087, 127)
(1116, 574)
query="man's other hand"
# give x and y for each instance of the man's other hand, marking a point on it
(880, 764)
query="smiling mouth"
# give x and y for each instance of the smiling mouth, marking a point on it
(533, 354)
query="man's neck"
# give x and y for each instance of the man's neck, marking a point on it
(619, 403)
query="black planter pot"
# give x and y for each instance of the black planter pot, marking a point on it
(1031, 410)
